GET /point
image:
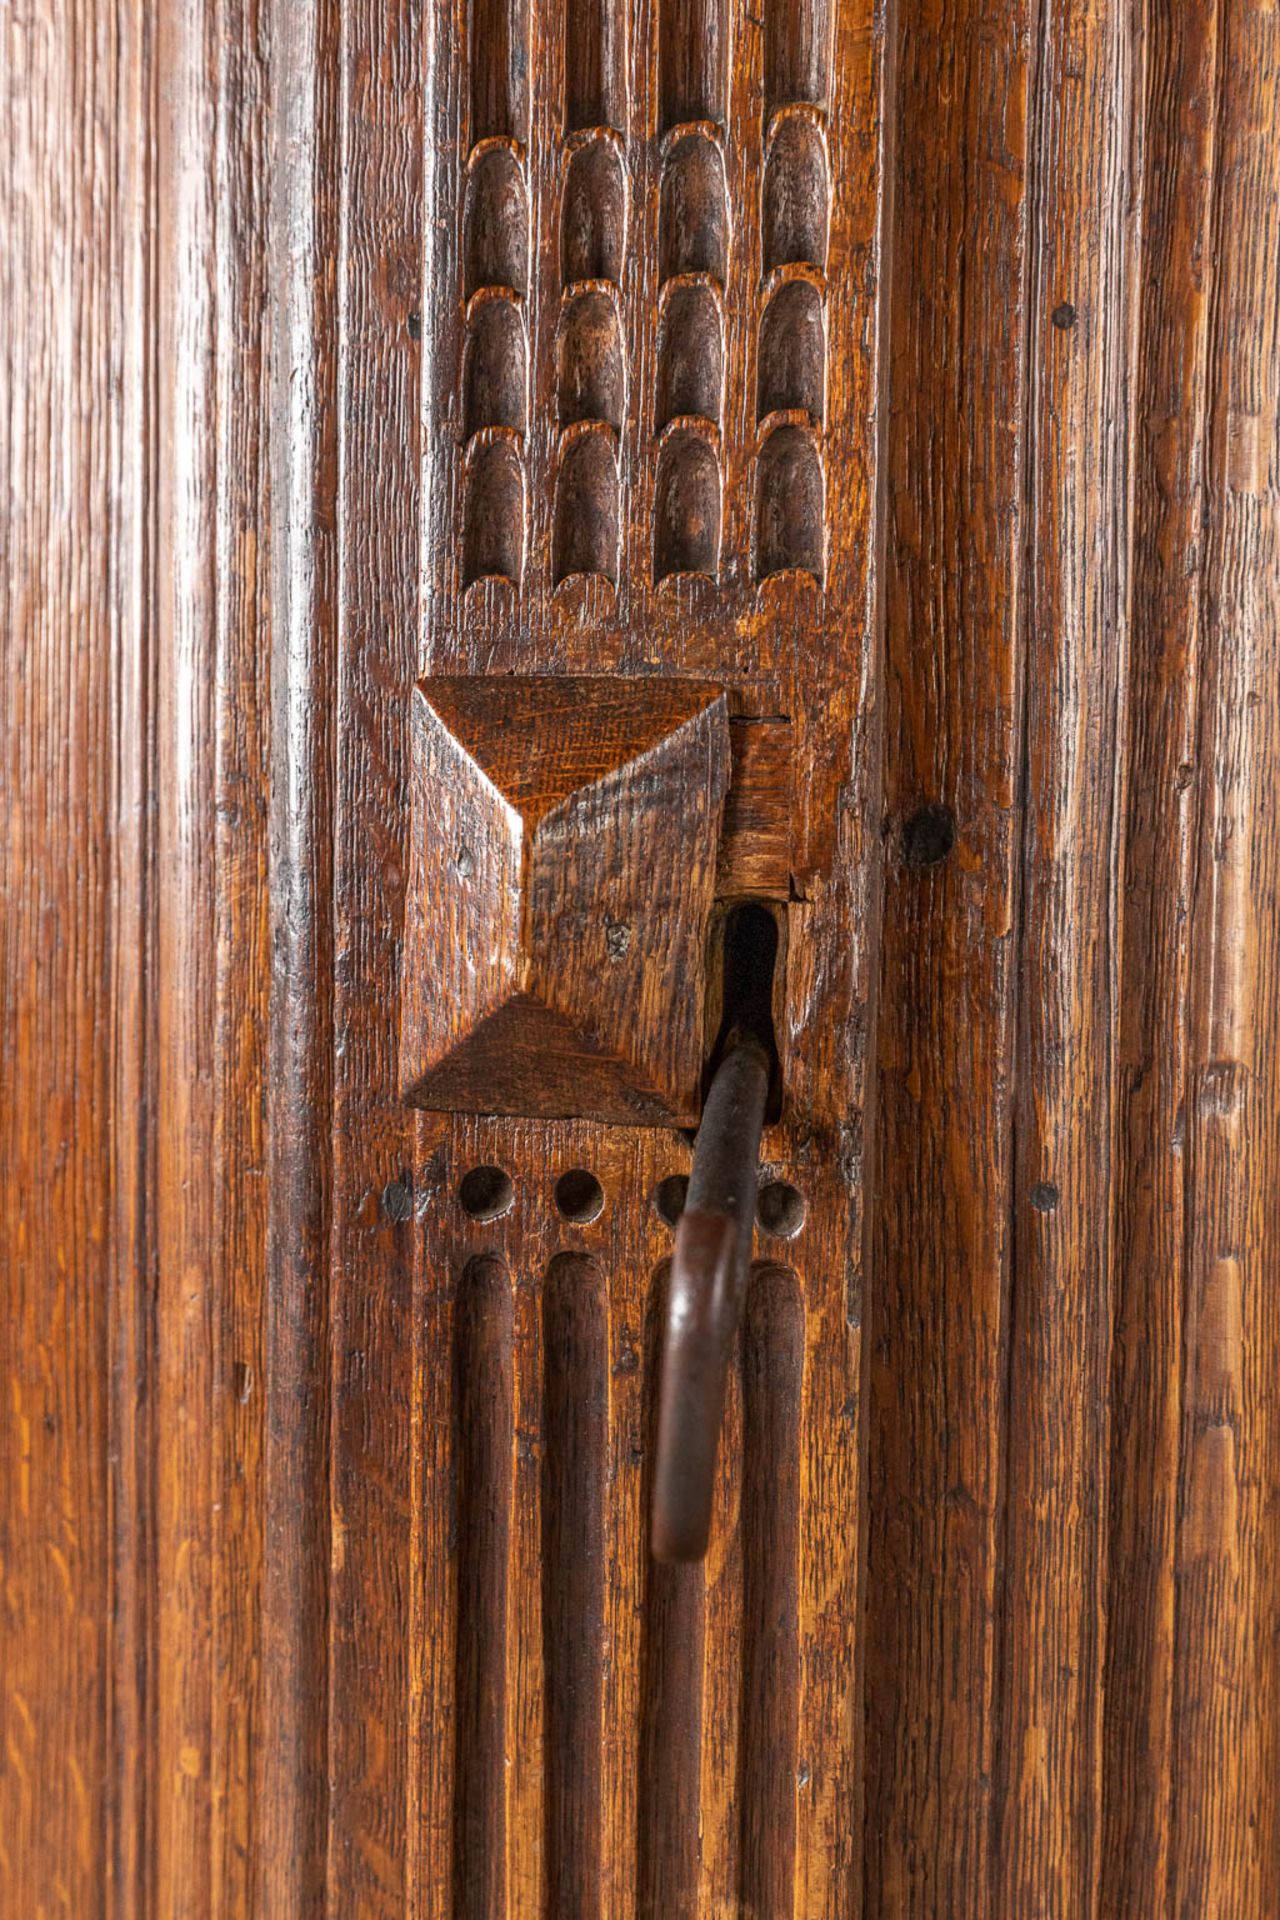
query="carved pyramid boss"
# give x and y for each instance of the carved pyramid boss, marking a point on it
(563, 871)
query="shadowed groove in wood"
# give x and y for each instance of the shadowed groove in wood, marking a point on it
(484, 1391)
(797, 51)
(693, 218)
(493, 513)
(795, 202)
(693, 48)
(671, 1661)
(591, 375)
(686, 537)
(593, 216)
(575, 1348)
(496, 222)
(595, 72)
(498, 44)
(587, 526)
(690, 355)
(772, 1384)
(791, 368)
(494, 376)
(789, 505)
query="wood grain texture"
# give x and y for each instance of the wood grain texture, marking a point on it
(913, 375)
(70, 538)
(562, 870)
(291, 1865)
(938, 1298)
(210, 978)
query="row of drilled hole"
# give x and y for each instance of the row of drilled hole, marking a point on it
(488, 1192)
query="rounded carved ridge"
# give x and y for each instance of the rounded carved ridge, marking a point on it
(593, 215)
(587, 512)
(797, 51)
(693, 60)
(796, 200)
(789, 529)
(791, 375)
(493, 371)
(693, 218)
(687, 509)
(496, 222)
(493, 512)
(591, 374)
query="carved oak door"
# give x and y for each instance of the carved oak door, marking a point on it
(555, 548)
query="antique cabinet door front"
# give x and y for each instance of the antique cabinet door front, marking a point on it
(563, 558)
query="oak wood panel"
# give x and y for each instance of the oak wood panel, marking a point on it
(292, 1852)
(69, 552)
(210, 979)
(1224, 1841)
(1168, 480)
(257, 1429)
(376, 171)
(940, 1226)
(1074, 628)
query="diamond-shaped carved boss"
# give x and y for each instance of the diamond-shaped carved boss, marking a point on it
(563, 871)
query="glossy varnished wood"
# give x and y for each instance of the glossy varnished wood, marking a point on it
(913, 375)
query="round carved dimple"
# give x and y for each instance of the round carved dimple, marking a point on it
(486, 1193)
(579, 1196)
(670, 1196)
(781, 1209)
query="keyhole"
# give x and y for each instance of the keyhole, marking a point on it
(750, 958)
